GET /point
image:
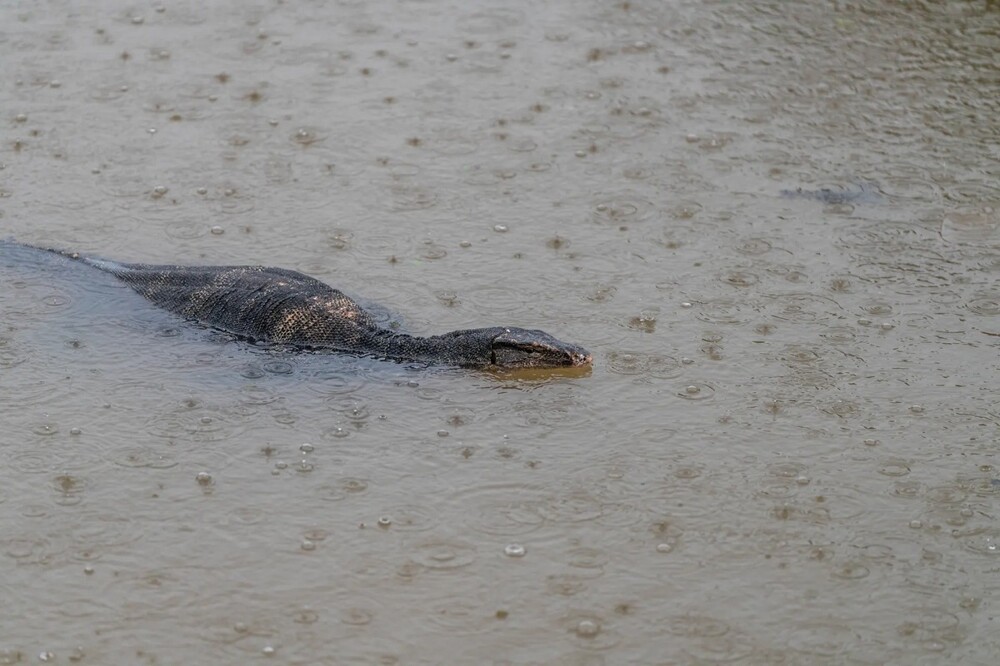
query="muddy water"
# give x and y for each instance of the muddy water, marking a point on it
(775, 226)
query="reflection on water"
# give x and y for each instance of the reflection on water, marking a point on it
(775, 225)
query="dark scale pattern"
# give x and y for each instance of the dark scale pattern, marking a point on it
(280, 306)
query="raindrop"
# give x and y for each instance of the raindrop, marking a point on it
(697, 392)
(203, 478)
(514, 550)
(217, 230)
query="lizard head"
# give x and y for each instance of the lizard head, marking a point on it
(524, 348)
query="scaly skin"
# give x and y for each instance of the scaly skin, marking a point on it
(280, 306)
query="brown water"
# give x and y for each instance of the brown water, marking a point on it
(786, 452)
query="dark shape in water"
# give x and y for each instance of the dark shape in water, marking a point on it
(285, 307)
(864, 191)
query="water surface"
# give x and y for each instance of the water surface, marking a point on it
(775, 225)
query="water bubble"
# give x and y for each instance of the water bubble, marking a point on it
(686, 304)
(917, 409)
(916, 524)
(384, 521)
(664, 548)
(306, 448)
(203, 478)
(138, 20)
(696, 392)
(514, 550)
(587, 628)
(307, 136)
(308, 545)
(500, 228)
(217, 230)
(46, 656)
(871, 442)
(268, 650)
(281, 465)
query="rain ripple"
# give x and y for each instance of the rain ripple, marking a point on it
(637, 363)
(201, 425)
(501, 509)
(444, 554)
(621, 208)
